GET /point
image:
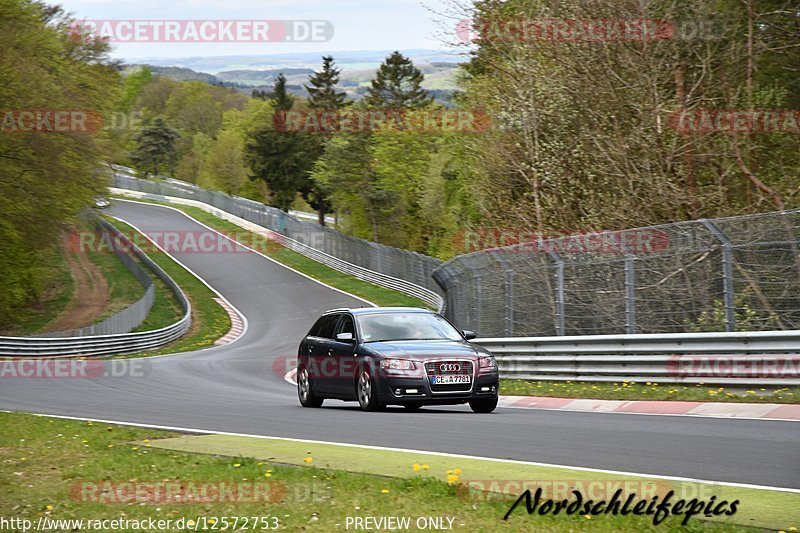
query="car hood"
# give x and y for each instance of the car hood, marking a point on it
(425, 349)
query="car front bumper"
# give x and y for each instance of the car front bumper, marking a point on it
(418, 389)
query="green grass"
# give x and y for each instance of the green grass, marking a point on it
(123, 288)
(209, 320)
(57, 293)
(45, 461)
(757, 506)
(637, 390)
(373, 293)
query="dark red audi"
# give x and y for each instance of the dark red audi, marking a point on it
(405, 356)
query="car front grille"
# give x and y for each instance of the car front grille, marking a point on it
(439, 368)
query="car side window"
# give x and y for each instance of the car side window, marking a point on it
(327, 326)
(317, 327)
(346, 326)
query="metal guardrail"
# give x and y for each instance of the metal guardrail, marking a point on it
(384, 280)
(762, 358)
(400, 285)
(107, 344)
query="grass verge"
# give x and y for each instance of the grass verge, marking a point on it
(123, 289)
(209, 320)
(636, 390)
(51, 468)
(379, 295)
(126, 289)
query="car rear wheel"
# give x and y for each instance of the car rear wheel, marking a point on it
(365, 390)
(483, 406)
(305, 390)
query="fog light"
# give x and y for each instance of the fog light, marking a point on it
(411, 391)
(398, 392)
(484, 389)
(494, 389)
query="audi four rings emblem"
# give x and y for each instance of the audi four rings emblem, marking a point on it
(450, 367)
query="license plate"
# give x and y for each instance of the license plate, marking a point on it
(451, 379)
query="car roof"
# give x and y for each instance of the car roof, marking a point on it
(371, 310)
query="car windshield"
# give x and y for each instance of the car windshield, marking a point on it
(379, 327)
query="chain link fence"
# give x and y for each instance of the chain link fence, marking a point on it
(402, 264)
(729, 274)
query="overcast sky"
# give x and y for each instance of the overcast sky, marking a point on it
(357, 24)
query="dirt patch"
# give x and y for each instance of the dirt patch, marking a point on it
(90, 296)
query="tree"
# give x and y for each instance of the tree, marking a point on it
(156, 148)
(281, 159)
(134, 83)
(322, 93)
(281, 99)
(190, 166)
(346, 170)
(582, 135)
(47, 177)
(224, 168)
(397, 85)
(378, 182)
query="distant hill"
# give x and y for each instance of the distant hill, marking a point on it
(347, 60)
(232, 75)
(261, 77)
(259, 72)
(176, 73)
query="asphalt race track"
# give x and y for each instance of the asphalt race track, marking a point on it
(235, 389)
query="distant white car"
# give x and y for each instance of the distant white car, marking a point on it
(101, 202)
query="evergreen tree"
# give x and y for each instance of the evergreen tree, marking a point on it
(322, 93)
(156, 148)
(398, 84)
(281, 99)
(282, 160)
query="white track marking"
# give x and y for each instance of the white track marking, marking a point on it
(204, 282)
(251, 249)
(439, 454)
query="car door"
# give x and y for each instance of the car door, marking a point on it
(344, 361)
(320, 353)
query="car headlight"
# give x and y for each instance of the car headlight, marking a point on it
(397, 364)
(488, 362)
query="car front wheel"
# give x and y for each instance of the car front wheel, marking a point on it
(483, 406)
(305, 390)
(365, 391)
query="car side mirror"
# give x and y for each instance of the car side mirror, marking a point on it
(344, 337)
(469, 335)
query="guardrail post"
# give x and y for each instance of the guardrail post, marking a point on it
(478, 299)
(560, 321)
(727, 273)
(509, 284)
(630, 295)
(630, 288)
